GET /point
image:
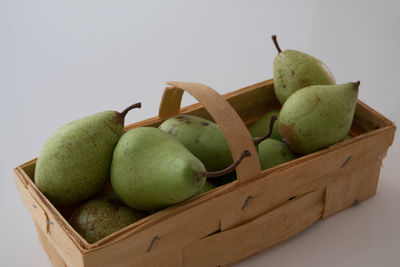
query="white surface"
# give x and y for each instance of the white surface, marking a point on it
(60, 61)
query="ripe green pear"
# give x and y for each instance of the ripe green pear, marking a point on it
(152, 169)
(348, 136)
(260, 127)
(206, 187)
(273, 152)
(203, 138)
(74, 164)
(294, 70)
(318, 116)
(102, 216)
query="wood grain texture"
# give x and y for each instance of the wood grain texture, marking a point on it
(356, 186)
(266, 230)
(55, 258)
(49, 222)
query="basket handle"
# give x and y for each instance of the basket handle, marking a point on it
(232, 126)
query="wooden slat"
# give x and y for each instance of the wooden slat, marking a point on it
(29, 168)
(173, 232)
(369, 119)
(55, 258)
(358, 185)
(46, 221)
(297, 180)
(170, 102)
(268, 229)
(169, 257)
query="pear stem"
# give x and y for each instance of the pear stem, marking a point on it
(257, 141)
(227, 170)
(276, 43)
(125, 111)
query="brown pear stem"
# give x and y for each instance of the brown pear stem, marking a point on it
(229, 169)
(257, 141)
(276, 43)
(125, 111)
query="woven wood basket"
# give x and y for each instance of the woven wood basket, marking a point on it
(236, 220)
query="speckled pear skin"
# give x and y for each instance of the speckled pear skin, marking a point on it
(203, 138)
(206, 187)
(74, 164)
(294, 70)
(102, 216)
(151, 169)
(318, 116)
(273, 152)
(261, 126)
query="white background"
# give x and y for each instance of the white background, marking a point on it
(62, 60)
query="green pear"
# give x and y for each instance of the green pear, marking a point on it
(348, 136)
(260, 127)
(272, 152)
(203, 138)
(318, 116)
(74, 164)
(294, 70)
(206, 187)
(151, 169)
(102, 216)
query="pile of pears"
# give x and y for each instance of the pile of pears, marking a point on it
(151, 168)
(148, 169)
(316, 112)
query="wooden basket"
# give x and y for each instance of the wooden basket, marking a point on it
(236, 220)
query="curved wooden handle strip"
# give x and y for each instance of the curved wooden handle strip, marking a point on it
(224, 115)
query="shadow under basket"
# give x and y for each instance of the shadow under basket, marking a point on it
(234, 221)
